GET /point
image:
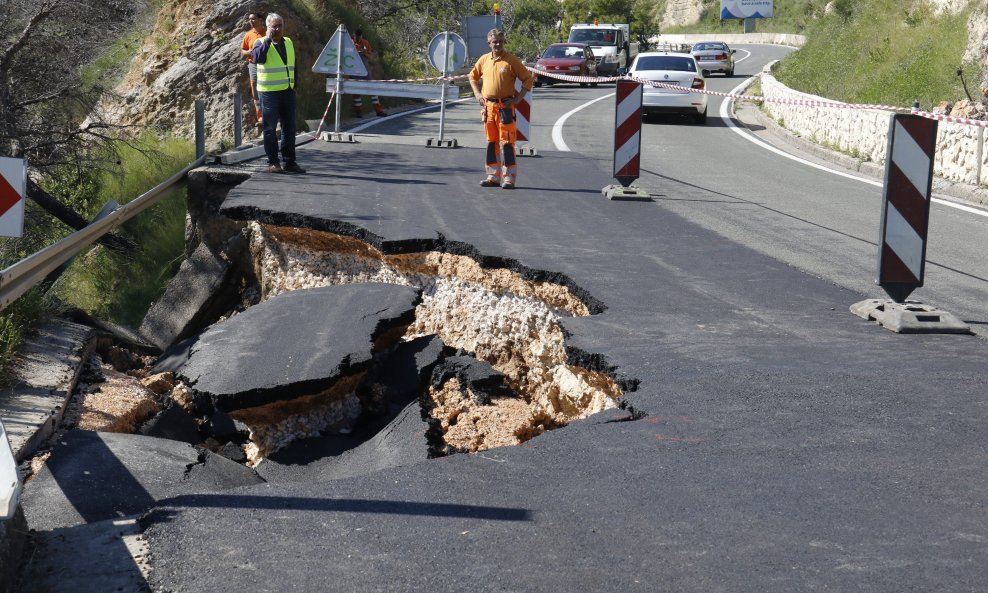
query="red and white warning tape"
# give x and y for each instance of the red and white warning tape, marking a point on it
(429, 79)
(801, 102)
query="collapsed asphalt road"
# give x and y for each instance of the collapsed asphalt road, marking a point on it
(768, 441)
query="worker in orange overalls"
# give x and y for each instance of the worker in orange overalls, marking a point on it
(365, 51)
(493, 81)
(256, 33)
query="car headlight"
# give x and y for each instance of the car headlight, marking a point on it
(573, 68)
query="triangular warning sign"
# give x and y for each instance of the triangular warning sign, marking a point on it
(332, 61)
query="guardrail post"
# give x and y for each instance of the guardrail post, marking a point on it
(238, 124)
(200, 129)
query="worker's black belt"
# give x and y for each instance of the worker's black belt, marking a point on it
(496, 100)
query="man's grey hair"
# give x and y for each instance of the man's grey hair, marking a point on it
(272, 17)
(494, 33)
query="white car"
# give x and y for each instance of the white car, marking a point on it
(714, 56)
(677, 72)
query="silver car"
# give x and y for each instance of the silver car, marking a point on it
(714, 56)
(676, 73)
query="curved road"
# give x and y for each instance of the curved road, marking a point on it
(819, 219)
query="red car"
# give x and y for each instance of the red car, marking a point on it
(572, 59)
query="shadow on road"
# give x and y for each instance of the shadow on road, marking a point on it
(339, 505)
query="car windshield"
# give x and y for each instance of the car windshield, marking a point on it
(678, 63)
(593, 37)
(708, 46)
(562, 51)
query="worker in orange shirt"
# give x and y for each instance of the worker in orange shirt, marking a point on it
(365, 51)
(255, 34)
(493, 81)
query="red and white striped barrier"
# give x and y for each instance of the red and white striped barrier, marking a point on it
(523, 115)
(906, 204)
(627, 131)
(627, 141)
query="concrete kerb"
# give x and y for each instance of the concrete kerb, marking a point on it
(48, 368)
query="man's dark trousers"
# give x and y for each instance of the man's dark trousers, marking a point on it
(279, 106)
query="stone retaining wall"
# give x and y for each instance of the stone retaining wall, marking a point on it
(863, 133)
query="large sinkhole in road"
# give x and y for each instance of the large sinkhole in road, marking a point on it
(494, 314)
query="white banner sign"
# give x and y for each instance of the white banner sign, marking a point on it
(746, 9)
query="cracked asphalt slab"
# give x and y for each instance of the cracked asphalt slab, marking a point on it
(96, 476)
(782, 443)
(293, 344)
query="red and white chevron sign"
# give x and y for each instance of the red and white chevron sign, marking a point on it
(523, 113)
(906, 204)
(627, 131)
(13, 183)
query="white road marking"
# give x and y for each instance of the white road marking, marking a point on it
(557, 128)
(725, 114)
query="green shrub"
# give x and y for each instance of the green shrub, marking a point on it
(882, 55)
(119, 286)
(17, 322)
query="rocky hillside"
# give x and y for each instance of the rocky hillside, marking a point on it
(193, 53)
(681, 12)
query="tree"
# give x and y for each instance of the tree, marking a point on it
(534, 25)
(47, 114)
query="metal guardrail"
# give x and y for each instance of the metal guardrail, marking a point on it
(25, 274)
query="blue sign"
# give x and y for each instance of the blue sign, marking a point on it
(746, 9)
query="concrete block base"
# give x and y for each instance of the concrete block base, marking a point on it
(444, 143)
(617, 192)
(337, 137)
(910, 317)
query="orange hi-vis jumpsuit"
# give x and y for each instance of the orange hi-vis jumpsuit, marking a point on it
(365, 50)
(497, 76)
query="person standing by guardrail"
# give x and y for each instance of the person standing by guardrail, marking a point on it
(366, 51)
(255, 34)
(493, 82)
(276, 81)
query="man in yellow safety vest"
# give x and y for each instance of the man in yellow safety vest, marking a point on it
(276, 82)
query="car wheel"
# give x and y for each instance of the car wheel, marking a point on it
(538, 82)
(593, 84)
(700, 118)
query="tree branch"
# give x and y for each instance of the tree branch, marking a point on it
(72, 219)
(44, 9)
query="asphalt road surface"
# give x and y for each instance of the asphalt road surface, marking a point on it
(779, 443)
(823, 220)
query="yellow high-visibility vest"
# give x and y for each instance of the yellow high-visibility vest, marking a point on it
(274, 74)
